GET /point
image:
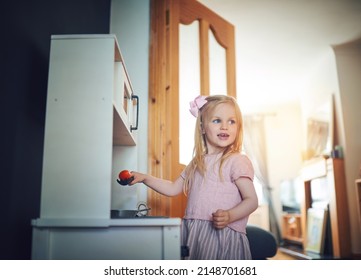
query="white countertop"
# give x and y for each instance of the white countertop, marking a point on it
(82, 36)
(147, 221)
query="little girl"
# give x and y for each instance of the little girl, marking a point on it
(218, 182)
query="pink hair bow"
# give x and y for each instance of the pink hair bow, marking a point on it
(197, 104)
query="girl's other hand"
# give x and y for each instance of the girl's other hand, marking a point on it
(220, 218)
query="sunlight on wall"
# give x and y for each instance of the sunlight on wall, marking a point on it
(217, 67)
(189, 87)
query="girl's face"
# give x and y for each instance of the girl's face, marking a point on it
(220, 128)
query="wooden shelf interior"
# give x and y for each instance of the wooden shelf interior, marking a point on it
(332, 170)
(121, 128)
(292, 227)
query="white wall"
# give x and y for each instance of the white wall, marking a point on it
(284, 135)
(130, 22)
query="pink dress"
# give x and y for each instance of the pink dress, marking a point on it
(207, 195)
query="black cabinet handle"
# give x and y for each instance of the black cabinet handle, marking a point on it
(136, 122)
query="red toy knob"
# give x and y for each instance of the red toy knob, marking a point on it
(125, 177)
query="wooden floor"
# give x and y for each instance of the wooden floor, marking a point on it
(282, 256)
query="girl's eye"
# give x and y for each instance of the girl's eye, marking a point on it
(232, 122)
(216, 121)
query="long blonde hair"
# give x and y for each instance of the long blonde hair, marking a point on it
(200, 146)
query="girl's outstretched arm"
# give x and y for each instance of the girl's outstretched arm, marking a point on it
(221, 218)
(162, 186)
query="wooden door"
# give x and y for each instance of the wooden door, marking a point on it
(166, 18)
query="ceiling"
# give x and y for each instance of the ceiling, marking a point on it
(278, 42)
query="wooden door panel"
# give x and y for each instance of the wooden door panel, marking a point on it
(166, 16)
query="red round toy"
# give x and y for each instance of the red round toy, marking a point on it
(125, 177)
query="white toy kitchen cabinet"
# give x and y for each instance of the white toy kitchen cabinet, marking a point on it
(91, 109)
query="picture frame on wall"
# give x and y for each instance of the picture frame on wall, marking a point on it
(316, 230)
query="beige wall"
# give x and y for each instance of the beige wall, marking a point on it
(284, 134)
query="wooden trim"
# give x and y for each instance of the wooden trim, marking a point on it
(307, 202)
(173, 90)
(191, 10)
(340, 224)
(176, 204)
(157, 91)
(231, 62)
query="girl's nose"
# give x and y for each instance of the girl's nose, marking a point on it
(224, 125)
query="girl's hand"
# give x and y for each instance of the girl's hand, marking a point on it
(221, 218)
(138, 178)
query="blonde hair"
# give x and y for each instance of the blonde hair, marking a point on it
(200, 147)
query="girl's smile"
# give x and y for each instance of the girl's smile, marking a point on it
(223, 136)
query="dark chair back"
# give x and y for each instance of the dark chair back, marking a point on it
(263, 243)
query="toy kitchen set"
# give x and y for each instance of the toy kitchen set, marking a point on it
(91, 110)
